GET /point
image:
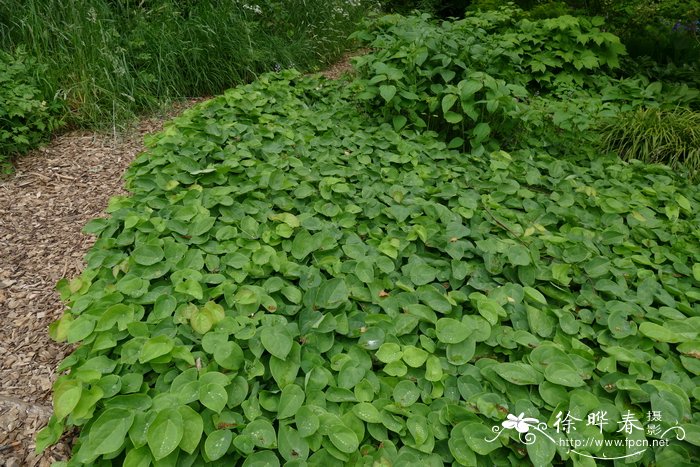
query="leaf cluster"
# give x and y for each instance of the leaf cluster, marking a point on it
(25, 117)
(469, 79)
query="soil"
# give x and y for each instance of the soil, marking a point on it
(53, 193)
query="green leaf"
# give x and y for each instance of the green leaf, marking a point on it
(414, 357)
(201, 322)
(303, 244)
(140, 457)
(448, 101)
(276, 341)
(229, 355)
(387, 91)
(291, 400)
(660, 333)
(107, 433)
(290, 219)
(217, 444)
(518, 373)
(331, 294)
(262, 459)
(344, 439)
(434, 299)
(80, 329)
(49, 435)
(451, 331)
(364, 270)
(262, 433)
(468, 88)
(292, 294)
(190, 287)
(490, 310)
(542, 453)
(156, 347)
(163, 308)
(476, 435)
(406, 393)
(66, 394)
(165, 433)
(518, 255)
(421, 273)
(307, 422)
(453, 117)
(563, 374)
(389, 352)
(399, 121)
(193, 426)
(534, 295)
(292, 446)
(481, 131)
(213, 396)
(148, 255)
(419, 429)
(367, 412)
(433, 369)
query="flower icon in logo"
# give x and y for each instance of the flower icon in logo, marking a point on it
(520, 423)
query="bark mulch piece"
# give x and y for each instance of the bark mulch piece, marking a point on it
(53, 193)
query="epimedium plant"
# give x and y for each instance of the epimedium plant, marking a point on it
(293, 280)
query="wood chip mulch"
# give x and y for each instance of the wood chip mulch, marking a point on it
(53, 193)
(44, 205)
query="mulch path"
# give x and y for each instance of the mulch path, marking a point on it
(53, 193)
(44, 205)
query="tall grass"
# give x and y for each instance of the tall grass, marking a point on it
(670, 137)
(110, 59)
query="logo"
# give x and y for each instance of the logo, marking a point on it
(635, 439)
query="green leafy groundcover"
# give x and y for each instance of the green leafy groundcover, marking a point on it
(295, 282)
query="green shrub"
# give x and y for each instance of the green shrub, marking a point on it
(293, 280)
(653, 136)
(469, 79)
(25, 117)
